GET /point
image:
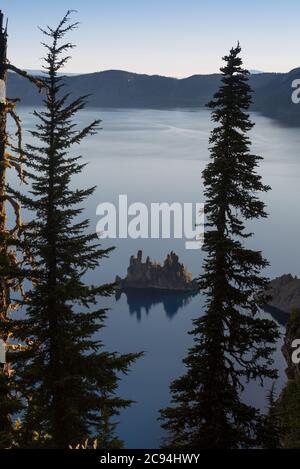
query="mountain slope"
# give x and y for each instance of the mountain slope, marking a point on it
(114, 88)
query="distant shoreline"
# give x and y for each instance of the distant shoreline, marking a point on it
(125, 90)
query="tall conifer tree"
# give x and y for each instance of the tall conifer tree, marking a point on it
(69, 380)
(232, 343)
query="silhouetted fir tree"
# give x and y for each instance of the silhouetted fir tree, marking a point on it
(232, 344)
(69, 381)
(287, 406)
(272, 428)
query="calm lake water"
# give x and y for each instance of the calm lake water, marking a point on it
(158, 156)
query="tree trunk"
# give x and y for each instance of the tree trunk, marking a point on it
(4, 287)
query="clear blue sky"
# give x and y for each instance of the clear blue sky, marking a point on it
(167, 37)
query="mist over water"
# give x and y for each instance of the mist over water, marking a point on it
(158, 156)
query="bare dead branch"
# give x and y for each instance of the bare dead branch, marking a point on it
(41, 84)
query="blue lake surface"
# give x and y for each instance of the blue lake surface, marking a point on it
(158, 156)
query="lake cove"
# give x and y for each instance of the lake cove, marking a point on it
(110, 459)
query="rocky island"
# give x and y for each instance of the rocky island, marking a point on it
(292, 333)
(170, 276)
(284, 293)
